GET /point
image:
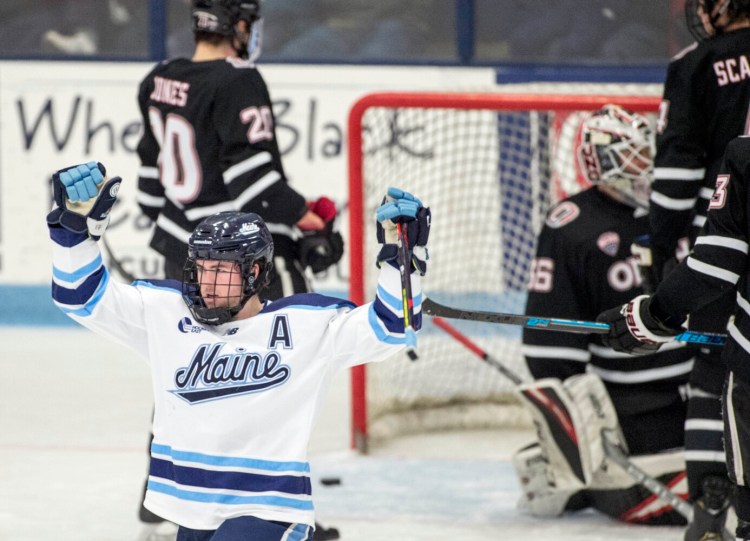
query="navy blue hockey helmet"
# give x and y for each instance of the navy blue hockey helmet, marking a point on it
(221, 16)
(240, 237)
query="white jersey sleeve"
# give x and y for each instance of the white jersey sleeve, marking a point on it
(82, 287)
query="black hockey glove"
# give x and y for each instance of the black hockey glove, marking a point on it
(320, 249)
(83, 198)
(324, 248)
(402, 207)
(653, 263)
(633, 329)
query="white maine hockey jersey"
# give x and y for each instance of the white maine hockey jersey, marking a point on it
(234, 404)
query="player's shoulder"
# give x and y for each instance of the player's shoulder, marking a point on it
(238, 69)
(167, 287)
(307, 301)
(686, 52)
(739, 144)
(572, 211)
(737, 151)
(166, 66)
(578, 219)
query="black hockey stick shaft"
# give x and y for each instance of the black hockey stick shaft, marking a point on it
(433, 308)
(404, 264)
(653, 485)
(478, 351)
(617, 455)
(115, 263)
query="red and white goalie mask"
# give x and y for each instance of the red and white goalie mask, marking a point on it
(617, 151)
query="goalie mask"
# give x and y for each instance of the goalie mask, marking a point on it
(616, 151)
(224, 253)
(222, 17)
(702, 16)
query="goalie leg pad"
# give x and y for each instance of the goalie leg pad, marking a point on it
(570, 419)
(559, 427)
(615, 493)
(544, 493)
(597, 416)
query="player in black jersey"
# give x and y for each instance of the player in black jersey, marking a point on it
(209, 145)
(718, 264)
(583, 264)
(704, 105)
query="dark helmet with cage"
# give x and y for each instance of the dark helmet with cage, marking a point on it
(238, 237)
(707, 18)
(221, 17)
(616, 151)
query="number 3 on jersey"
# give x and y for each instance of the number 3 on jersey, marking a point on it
(719, 198)
(180, 168)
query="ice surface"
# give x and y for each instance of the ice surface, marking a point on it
(74, 417)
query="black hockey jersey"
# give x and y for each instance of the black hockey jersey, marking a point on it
(209, 145)
(719, 260)
(583, 266)
(704, 106)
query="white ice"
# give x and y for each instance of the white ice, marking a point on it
(74, 417)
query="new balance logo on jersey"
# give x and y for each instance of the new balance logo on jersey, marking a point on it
(186, 325)
(213, 374)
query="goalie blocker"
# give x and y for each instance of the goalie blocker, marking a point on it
(568, 469)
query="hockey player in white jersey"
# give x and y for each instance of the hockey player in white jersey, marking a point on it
(237, 382)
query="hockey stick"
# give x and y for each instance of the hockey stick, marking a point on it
(659, 489)
(612, 451)
(433, 308)
(404, 265)
(115, 263)
(478, 351)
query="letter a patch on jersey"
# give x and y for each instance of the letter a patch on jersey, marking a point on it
(280, 333)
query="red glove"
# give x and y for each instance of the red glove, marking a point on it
(323, 207)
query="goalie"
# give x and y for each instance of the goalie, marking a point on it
(583, 390)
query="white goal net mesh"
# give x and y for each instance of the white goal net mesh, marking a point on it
(489, 175)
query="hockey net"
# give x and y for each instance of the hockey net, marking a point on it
(489, 166)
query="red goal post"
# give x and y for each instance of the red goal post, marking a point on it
(489, 165)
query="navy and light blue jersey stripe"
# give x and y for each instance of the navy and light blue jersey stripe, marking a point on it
(227, 480)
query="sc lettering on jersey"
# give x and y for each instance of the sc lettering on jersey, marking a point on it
(732, 70)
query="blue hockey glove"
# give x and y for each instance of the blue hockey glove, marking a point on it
(402, 207)
(83, 198)
(634, 329)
